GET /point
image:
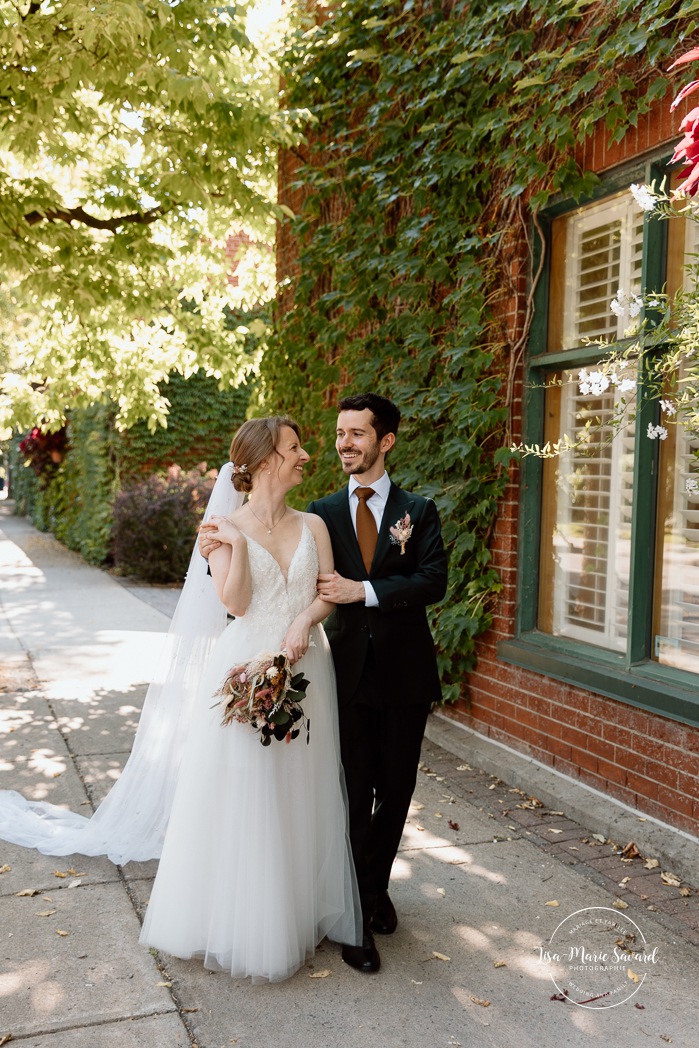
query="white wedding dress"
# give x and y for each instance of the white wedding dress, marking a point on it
(256, 866)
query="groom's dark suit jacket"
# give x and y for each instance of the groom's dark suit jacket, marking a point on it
(405, 585)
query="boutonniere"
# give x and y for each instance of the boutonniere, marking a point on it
(401, 532)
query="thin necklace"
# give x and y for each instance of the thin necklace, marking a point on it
(269, 530)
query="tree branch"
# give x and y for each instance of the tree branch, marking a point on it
(78, 214)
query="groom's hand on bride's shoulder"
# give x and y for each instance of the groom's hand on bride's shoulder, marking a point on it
(338, 590)
(206, 542)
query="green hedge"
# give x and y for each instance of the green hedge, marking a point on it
(75, 498)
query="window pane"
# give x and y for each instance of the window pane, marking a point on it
(587, 522)
(676, 598)
(603, 255)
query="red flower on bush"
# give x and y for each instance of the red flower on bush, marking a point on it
(43, 451)
(688, 148)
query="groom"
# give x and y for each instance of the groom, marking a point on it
(390, 564)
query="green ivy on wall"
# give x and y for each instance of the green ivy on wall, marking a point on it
(201, 421)
(434, 124)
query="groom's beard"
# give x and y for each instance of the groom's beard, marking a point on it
(362, 463)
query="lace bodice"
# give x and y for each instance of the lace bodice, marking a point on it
(276, 601)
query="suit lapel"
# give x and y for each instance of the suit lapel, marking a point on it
(397, 504)
(340, 519)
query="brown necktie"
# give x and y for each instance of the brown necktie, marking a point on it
(367, 533)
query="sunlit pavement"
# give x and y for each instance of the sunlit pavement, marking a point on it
(484, 884)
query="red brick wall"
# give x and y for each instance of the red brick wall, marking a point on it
(643, 759)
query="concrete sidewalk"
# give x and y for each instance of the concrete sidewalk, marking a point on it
(484, 884)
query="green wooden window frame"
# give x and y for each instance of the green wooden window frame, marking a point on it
(631, 676)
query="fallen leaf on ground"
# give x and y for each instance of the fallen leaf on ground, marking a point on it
(164, 984)
(322, 974)
(664, 1037)
(417, 806)
(651, 864)
(5, 1038)
(670, 879)
(440, 956)
(27, 891)
(631, 851)
(60, 932)
(599, 837)
(75, 873)
(556, 813)
(464, 767)
(416, 983)
(550, 829)
(492, 786)
(420, 828)
(619, 904)
(553, 902)
(75, 883)
(641, 1007)
(5, 868)
(45, 913)
(60, 873)
(441, 891)
(685, 892)
(499, 964)
(438, 815)
(453, 825)
(190, 1009)
(632, 975)
(479, 1000)
(624, 882)
(440, 778)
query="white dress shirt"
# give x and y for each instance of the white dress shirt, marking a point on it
(377, 504)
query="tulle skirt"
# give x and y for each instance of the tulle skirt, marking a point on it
(256, 866)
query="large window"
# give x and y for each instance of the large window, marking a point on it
(609, 571)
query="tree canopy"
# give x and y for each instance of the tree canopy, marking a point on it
(135, 136)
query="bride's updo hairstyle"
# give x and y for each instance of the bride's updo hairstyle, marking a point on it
(255, 441)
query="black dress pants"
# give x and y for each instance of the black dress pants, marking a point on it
(380, 746)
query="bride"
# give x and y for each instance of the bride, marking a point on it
(256, 866)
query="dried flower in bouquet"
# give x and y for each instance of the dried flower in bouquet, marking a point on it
(265, 694)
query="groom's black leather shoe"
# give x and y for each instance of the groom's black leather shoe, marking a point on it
(364, 958)
(384, 920)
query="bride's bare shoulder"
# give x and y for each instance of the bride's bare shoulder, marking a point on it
(316, 525)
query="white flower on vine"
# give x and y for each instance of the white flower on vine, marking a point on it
(691, 486)
(669, 407)
(644, 197)
(593, 384)
(656, 432)
(624, 385)
(623, 305)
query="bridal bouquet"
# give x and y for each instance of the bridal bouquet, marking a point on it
(265, 694)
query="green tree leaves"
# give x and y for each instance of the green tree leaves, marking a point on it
(134, 139)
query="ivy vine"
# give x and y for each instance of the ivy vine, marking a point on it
(439, 130)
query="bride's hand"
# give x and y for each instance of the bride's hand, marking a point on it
(206, 541)
(219, 530)
(297, 638)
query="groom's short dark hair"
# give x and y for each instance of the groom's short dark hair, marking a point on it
(386, 413)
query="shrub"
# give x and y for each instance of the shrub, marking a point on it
(155, 524)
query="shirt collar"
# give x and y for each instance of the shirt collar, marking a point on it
(382, 486)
